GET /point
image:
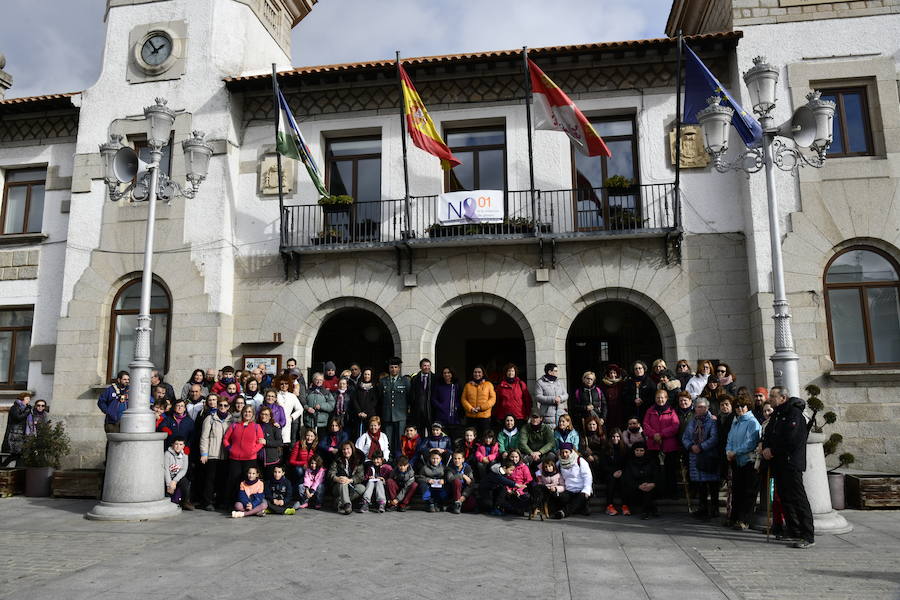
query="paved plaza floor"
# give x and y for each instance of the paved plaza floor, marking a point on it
(51, 551)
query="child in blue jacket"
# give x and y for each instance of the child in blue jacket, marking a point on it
(251, 496)
(279, 493)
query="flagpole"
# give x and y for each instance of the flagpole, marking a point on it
(277, 105)
(403, 138)
(534, 214)
(678, 83)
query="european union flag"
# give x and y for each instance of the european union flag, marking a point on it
(700, 84)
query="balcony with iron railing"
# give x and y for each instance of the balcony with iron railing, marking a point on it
(636, 211)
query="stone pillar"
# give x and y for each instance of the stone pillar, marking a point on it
(815, 480)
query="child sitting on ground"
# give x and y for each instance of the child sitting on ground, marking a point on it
(279, 494)
(251, 496)
(401, 485)
(410, 443)
(312, 488)
(375, 472)
(517, 499)
(436, 441)
(486, 453)
(547, 483)
(459, 482)
(178, 486)
(431, 481)
(493, 487)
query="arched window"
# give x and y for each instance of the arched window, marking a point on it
(862, 301)
(123, 321)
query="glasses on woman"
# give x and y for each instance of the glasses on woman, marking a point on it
(224, 405)
(723, 371)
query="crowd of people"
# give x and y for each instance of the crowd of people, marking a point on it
(256, 443)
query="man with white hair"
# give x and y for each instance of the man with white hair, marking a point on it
(784, 445)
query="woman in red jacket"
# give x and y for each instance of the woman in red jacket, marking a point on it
(513, 398)
(661, 430)
(242, 441)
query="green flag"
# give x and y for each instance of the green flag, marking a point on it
(290, 142)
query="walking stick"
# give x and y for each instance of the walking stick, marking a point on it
(684, 480)
(770, 490)
(729, 497)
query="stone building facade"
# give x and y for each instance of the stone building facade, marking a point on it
(243, 274)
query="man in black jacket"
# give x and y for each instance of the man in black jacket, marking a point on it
(784, 444)
(420, 386)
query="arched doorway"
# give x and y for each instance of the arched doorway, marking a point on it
(610, 332)
(480, 334)
(353, 335)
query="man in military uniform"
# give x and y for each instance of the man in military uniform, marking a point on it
(393, 393)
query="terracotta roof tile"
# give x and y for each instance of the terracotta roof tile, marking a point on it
(444, 58)
(27, 99)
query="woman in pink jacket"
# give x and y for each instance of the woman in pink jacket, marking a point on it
(242, 441)
(661, 430)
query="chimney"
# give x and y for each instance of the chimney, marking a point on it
(5, 78)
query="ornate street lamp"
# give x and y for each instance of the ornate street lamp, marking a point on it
(133, 486)
(810, 127)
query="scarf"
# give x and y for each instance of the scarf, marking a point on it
(365, 385)
(549, 377)
(339, 403)
(569, 462)
(478, 382)
(727, 380)
(536, 428)
(660, 409)
(222, 414)
(374, 444)
(611, 380)
(511, 380)
(179, 418)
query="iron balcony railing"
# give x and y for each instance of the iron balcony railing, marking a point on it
(583, 212)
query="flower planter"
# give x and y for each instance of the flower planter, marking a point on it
(335, 209)
(836, 487)
(631, 190)
(12, 482)
(37, 481)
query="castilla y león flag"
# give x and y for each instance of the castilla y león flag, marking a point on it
(556, 111)
(421, 127)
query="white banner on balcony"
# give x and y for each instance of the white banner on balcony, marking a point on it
(476, 206)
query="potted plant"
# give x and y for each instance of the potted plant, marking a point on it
(335, 203)
(618, 185)
(327, 236)
(829, 446)
(42, 454)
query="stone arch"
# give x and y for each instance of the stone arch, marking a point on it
(442, 313)
(306, 332)
(645, 303)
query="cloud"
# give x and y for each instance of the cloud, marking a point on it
(52, 47)
(356, 30)
(56, 46)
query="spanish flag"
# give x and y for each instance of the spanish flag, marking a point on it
(554, 110)
(421, 127)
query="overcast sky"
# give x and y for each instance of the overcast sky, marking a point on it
(55, 46)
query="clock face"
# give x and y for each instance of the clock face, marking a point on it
(156, 49)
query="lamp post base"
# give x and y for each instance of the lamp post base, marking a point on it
(133, 488)
(133, 511)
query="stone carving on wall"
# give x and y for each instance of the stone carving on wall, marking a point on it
(268, 175)
(693, 155)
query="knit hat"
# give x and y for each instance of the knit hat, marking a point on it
(437, 425)
(566, 446)
(763, 391)
(329, 366)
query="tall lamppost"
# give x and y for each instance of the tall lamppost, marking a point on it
(133, 484)
(810, 127)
